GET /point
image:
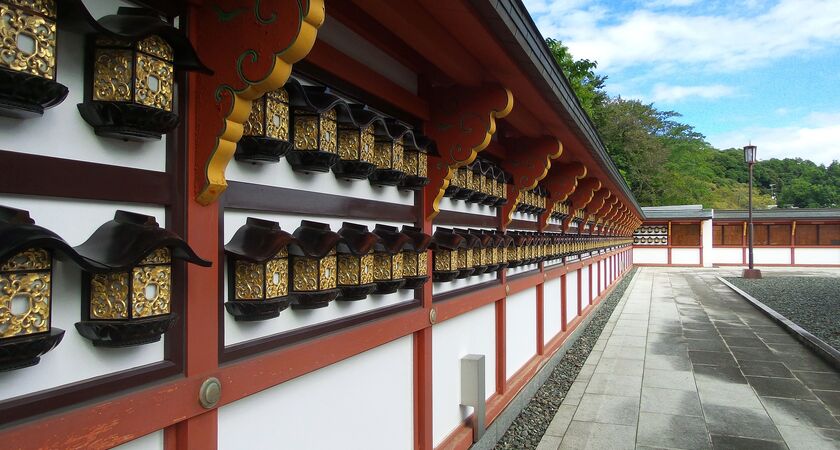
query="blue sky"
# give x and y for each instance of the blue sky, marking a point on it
(737, 70)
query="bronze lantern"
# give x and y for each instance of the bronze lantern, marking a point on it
(415, 257)
(445, 245)
(314, 271)
(505, 242)
(258, 271)
(465, 182)
(26, 261)
(479, 181)
(388, 154)
(483, 252)
(127, 294)
(131, 60)
(355, 262)
(490, 185)
(358, 127)
(466, 263)
(266, 135)
(28, 39)
(454, 185)
(415, 162)
(314, 127)
(388, 259)
(516, 251)
(501, 184)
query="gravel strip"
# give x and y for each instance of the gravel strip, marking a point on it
(529, 427)
(811, 302)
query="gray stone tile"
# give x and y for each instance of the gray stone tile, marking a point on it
(670, 401)
(803, 438)
(800, 413)
(727, 394)
(753, 354)
(667, 362)
(831, 400)
(628, 341)
(711, 358)
(561, 420)
(549, 442)
(737, 421)
(627, 386)
(669, 379)
(599, 436)
(819, 380)
(695, 334)
(710, 345)
(663, 430)
(608, 409)
(622, 351)
(736, 332)
(725, 374)
(619, 366)
(780, 387)
(771, 338)
(792, 348)
(805, 362)
(739, 341)
(575, 393)
(586, 372)
(765, 369)
(720, 442)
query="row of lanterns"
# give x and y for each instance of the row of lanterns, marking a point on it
(651, 235)
(126, 284)
(480, 182)
(460, 253)
(534, 201)
(131, 59)
(560, 211)
(270, 269)
(318, 131)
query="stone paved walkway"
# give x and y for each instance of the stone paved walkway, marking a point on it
(686, 363)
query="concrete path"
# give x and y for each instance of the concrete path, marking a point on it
(686, 363)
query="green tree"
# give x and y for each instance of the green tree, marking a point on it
(588, 86)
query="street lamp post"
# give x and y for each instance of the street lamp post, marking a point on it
(750, 158)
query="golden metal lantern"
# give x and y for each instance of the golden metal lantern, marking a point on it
(466, 263)
(388, 259)
(28, 39)
(415, 257)
(258, 271)
(445, 245)
(465, 176)
(477, 182)
(127, 297)
(266, 134)
(357, 131)
(482, 252)
(415, 162)
(388, 153)
(355, 276)
(314, 264)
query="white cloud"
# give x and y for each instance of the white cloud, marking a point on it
(816, 141)
(672, 94)
(669, 3)
(670, 40)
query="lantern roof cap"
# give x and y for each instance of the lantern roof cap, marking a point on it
(446, 239)
(313, 239)
(392, 241)
(356, 239)
(133, 24)
(18, 232)
(122, 243)
(484, 238)
(471, 240)
(314, 98)
(258, 240)
(419, 241)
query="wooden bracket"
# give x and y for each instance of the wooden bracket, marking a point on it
(599, 198)
(251, 47)
(561, 182)
(580, 198)
(528, 163)
(604, 212)
(463, 120)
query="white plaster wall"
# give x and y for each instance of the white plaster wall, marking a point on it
(520, 329)
(320, 410)
(817, 256)
(448, 204)
(707, 231)
(771, 255)
(571, 296)
(643, 255)
(74, 221)
(353, 45)
(584, 286)
(61, 132)
(282, 175)
(470, 333)
(727, 255)
(151, 441)
(552, 309)
(291, 319)
(685, 256)
(602, 275)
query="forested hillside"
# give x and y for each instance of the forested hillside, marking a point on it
(666, 162)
